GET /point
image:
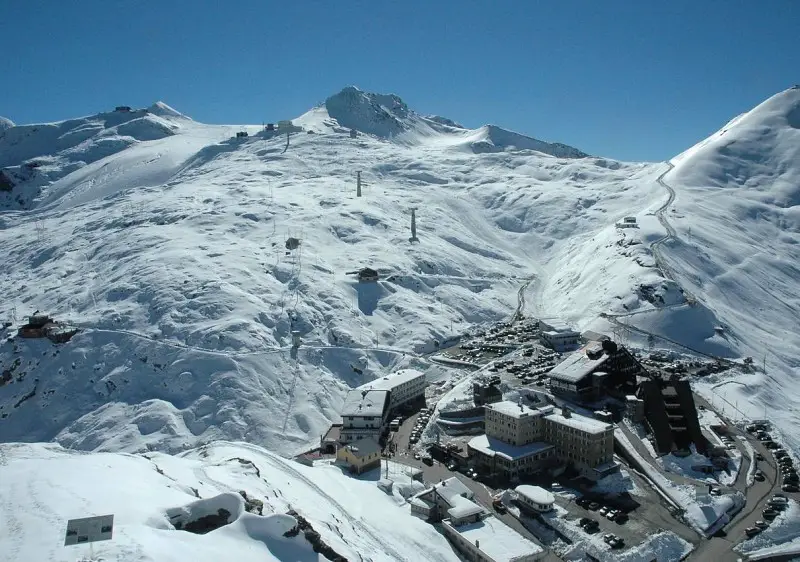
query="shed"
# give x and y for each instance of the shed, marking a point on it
(535, 497)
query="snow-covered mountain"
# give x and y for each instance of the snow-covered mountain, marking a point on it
(170, 254)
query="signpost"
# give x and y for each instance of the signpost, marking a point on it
(89, 530)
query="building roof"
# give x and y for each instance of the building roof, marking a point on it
(363, 448)
(390, 382)
(513, 409)
(452, 488)
(536, 494)
(498, 541)
(581, 423)
(462, 507)
(576, 366)
(363, 402)
(490, 446)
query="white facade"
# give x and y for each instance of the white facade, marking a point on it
(491, 540)
(536, 498)
(403, 386)
(561, 340)
(364, 414)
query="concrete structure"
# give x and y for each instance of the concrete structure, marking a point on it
(403, 386)
(590, 336)
(558, 335)
(367, 275)
(535, 498)
(364, 414)
(670, 415)
(359, 457)
(521, 440)
(491, 540)
(414, 226)
(486, 392)
(628, 222)
(634, 408)
(598, 369)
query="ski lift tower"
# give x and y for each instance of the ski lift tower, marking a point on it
(413, 225)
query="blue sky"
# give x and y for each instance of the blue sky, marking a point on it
(625, 79)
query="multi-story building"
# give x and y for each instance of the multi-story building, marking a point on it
(403, 387)
(364, 415)
(523, 440)
(597, 369)
(586, 443)
(558, 335)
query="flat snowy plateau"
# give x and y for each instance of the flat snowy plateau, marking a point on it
(165, 241)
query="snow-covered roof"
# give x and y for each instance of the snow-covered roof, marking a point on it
(514, 409)
(462, 507)
(362, 402)
(363, 447)
(576, 366)
(390, 382)
(490, 446)
(581, 423)
(451, 488)
(497, 540)
(536, 494)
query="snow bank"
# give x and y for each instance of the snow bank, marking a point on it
(784, 532)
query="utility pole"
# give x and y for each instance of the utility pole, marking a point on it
(413, 225)
(358, 184)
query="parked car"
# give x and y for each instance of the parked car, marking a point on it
(793, 488)
(499, 507)
(715, 492)
(604, 510)
(593, 506)
(752, 531)
(769, 514)
(612, 514)
(759, 476)
(621, 518)
(761, 524)
(428, 461)
(583, 502)
(616, 542)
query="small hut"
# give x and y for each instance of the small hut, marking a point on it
(368, 275)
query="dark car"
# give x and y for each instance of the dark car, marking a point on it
(621, 518)
(752, 531)
(759, 476)
(770, 514)
(583, 502)
(593, 506)
(771, 445)
(499, 507)
(790, 488)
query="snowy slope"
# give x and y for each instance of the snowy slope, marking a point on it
(737, 217)
(45, 485)
(170, 255)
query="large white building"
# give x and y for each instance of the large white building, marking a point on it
(521, 440)
(403, 386)
(364, 414)
(558, 334)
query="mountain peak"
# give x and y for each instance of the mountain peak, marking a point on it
(163, 110)
(382, 115)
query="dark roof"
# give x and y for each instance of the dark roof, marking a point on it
(363, 447)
